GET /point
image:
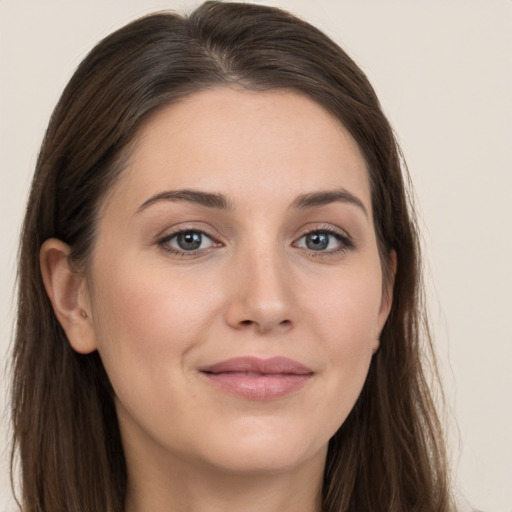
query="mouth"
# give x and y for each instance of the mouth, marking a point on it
(253, 378)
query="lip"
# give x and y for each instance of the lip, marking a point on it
(253, 378)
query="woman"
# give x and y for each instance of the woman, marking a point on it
(219, 292)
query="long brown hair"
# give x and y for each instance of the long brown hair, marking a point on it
(388, 455)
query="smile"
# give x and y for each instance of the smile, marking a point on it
(252, 378)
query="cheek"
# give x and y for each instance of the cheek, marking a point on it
(138, 304)
(345, 322)
(145, 321)
(346, 309)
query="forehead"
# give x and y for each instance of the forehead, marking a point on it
(277, 144)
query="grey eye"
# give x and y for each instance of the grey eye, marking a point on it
(320, 241)
(317, 241)
(190, 241)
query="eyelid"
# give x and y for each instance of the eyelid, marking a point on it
(344, 238)
(163, 241)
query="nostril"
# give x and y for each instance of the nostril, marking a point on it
(247, 323)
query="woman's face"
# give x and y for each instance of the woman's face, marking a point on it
(235, 288)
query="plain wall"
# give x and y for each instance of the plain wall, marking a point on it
(443, 72)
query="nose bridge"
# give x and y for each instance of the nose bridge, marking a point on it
(262, 288)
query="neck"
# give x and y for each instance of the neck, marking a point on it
(184, 486)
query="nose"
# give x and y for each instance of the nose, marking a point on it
(262, 296)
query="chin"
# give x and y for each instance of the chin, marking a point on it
(267, 452)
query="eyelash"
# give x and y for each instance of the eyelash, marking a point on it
(345, 242)
(164, 243)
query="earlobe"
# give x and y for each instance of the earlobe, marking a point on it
(68, 294)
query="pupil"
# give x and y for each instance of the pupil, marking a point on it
(317, 241)
(189, 241)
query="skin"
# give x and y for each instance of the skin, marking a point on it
(255, 287)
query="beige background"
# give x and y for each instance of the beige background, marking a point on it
(443, 71)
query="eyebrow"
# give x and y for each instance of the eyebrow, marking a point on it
(323, 198)
(207, 199)
(221, 202)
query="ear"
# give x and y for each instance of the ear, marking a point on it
(387, 297)
(68, 293)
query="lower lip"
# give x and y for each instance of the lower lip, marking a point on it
(258, 387)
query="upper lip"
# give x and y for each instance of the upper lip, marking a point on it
(271, 366)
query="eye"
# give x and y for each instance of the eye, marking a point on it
(188, 241)
(324, 241)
